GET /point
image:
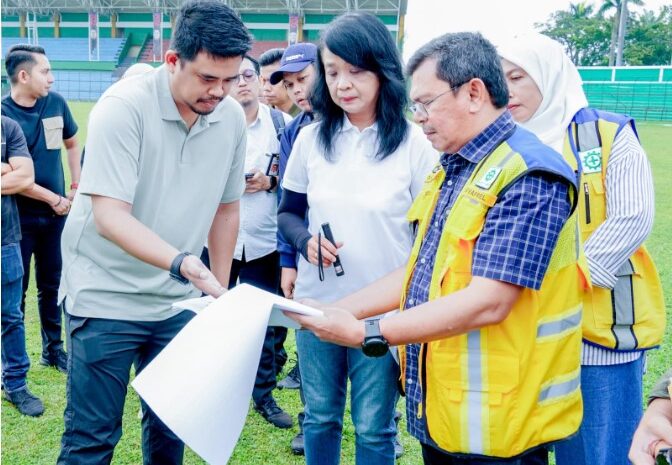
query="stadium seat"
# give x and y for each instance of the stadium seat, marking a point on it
(70, 48)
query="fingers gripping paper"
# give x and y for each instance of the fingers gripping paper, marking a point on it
(201, 383)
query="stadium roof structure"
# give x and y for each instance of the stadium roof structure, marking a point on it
(397, 7)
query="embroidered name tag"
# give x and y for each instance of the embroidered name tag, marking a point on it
(591, 161)
(480, 196)
(489, 177)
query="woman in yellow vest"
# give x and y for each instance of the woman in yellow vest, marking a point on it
(623, 312)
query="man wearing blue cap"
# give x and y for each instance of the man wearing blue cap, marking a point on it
(297, 73)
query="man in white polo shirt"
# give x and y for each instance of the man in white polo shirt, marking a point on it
(255, 260)
(164, 169)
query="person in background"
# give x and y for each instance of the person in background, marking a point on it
(17, 176)
(296, 76)
(359, 168)
(274, 95)
(131, 243)
(623, 311)
(255, 259)
(47, 123)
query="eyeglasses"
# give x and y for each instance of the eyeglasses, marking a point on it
(422, 108)
(248, 76)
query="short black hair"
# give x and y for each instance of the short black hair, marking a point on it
(463, 56)
(255, 63)
(212, 27)
(271, 56)
(21, 56)
(362, 40)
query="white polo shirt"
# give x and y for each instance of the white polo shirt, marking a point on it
(259, 210)
(365, 201)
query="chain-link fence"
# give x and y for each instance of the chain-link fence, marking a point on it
(643, 98)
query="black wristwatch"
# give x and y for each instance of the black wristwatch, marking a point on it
(374, 344)
(274, 183)
(175, 272)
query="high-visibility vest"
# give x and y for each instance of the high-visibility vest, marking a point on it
(632, 315)
(503, 389)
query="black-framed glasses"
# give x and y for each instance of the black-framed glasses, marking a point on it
(248, 76)
(422, 108)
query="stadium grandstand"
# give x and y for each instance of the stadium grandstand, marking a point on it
(90, 43)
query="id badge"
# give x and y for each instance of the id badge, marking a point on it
(273, 168)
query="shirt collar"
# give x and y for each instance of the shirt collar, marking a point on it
(486, 141)
(167, 105)
(348, 126)
(267, 111)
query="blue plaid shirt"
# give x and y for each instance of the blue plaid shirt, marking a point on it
(515, 246)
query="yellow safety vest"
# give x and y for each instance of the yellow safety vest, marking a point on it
(632, 315)
(503, 389)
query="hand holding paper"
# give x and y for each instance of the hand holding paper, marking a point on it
(333, 325)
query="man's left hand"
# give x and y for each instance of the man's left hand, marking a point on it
(335, 325)
(258, 182)
(200, 276)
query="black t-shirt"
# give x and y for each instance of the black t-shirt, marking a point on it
(13, 145)
(45, 126)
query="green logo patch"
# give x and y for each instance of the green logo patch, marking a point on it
(489, 177)
(591, 161)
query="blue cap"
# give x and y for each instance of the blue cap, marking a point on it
(295, 58)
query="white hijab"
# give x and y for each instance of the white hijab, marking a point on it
(558, 81)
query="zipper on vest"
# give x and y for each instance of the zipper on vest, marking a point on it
(423, 382)
(586, 194)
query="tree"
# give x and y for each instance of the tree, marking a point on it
(580, 10)
(584, 35)
(589, 38)
(649, 40)
(606, 7)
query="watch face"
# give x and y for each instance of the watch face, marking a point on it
(375, 348)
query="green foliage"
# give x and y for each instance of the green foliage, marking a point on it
(649, 38)
(590, 37)
(586, 37)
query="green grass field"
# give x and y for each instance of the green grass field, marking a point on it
(28, 441)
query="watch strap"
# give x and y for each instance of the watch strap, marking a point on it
(372, 329)
(374, 345)
(175, 266)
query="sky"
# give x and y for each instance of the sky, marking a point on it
(496, 19)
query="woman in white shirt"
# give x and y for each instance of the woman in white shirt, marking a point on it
(358, 169)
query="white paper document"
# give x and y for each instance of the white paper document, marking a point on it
(201, 383)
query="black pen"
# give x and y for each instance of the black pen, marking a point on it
(326, 229)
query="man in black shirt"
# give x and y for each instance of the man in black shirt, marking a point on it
(47, 124)
(17, 176)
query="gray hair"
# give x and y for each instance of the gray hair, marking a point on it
(461, 57)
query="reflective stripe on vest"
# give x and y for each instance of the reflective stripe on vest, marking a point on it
(560, 388)
(475, 396)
